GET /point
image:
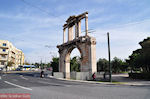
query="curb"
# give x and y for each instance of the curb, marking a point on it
(105, 83)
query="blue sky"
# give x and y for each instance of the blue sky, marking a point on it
(32, 24)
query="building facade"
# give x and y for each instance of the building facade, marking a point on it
(10, 56)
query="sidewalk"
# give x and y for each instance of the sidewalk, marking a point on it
(125, 79)
(119, 79)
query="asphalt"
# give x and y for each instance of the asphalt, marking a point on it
(51, 88)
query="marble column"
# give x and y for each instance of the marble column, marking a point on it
(86, 24)
(64, 35)
(76, 30)
(70, 33)
(79, 28)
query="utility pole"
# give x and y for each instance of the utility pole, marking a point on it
(110, 71)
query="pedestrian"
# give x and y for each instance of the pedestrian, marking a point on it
(42, 73)
(94, 76)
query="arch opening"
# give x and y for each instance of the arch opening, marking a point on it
(73, 61)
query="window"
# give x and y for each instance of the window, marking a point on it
(4, 44)
(4, 50)
(3, 56)
(2, 63)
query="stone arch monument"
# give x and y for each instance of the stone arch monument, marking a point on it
(85, 44)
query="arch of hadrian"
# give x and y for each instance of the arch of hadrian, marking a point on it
(85, 44)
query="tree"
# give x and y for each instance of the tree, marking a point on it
(124, 66)
(75, 64)
(118, 65)
(135, 60)
(26, 63)
(48, 65)
(102, 65)
(37, 65)
(140, 58)
(55, 64)
(145, 54)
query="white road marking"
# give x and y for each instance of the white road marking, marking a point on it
(0, 77)
(23, 77)
(17, 85)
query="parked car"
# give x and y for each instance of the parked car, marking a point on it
(18, 69)
(1, 70)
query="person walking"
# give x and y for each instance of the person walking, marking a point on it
(42, 73)
(94, 76)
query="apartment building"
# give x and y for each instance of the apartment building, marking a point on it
(10, 55)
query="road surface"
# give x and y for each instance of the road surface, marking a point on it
(50, 88)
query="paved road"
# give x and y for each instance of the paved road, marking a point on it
(50, 88)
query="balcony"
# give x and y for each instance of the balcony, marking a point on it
(3, 59)
(4, 47)
(3, 53)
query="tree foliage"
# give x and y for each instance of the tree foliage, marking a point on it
(117, 65)
(102, 65)
(37, 64)
(140, 58)
(75, 64)
(26, 63)
(55, 64)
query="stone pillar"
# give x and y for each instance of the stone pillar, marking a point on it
(76, 30)
(86, 24)
(67, 69)
(93, 56)
(70, 33)
(60, 61)
(64, 35)
(67, 66)
(79, 28)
